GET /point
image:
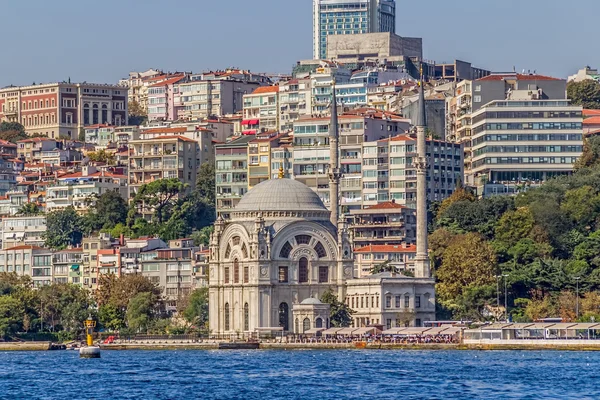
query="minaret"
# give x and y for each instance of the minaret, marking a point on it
(422, 258)
(334, 170)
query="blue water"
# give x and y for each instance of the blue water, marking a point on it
(309, 374)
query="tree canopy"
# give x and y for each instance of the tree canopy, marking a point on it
(585, 93)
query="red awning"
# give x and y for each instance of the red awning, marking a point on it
(249, 132)
(250, 122)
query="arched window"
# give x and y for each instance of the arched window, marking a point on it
(297, 326)
(320, 250)
(305, 325)
(86, 114)
(246, 317)
(284, 311)
(236, 271)
(285, 250)
(303, 239)
(226, 316)
(303, 270)
(318, 323)
(227, 251)
(95, 114)
(104, 114)
(244, 251)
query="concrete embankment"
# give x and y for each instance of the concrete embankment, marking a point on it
(25, 346)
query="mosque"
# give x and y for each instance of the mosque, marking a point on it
(281, 249)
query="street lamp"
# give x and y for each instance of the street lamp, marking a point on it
(505, 297)
(498, 291)
(577, 278)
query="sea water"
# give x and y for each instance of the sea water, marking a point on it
(301, 374)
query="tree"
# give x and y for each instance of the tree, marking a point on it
(139, 311)
(196, 311)
(460, 195)
(469, 261)
(63, 228)
(110, 210)
(29, 209)
(385, 266)
(340, 315)
(11, 316)
(202, 237)
(137, 115)
(585, 93)
(81, 135)
(582, 205)
(205, 183)
(160, 195)
(12, 131)
(514, 225)
(590, 155)
(102, 156)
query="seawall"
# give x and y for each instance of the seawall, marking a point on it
(25, 346)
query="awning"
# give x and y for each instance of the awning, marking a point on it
(74, 267)
(312, 331)
(331, 331)
(413, 331)
(347, 331)
(437, 330)
(393, 331)
(250, 122)
(366, 330)
(269, 329)
(249, 132)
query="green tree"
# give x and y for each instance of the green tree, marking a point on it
(205, 183)
(116, 292)
(340, 314)
(202, 237)
(11, 316)
(514, 225)
(160, 196)
(137, 115)
(196, 310)
(582, 205)
(585, 93)
(12, 131)
(385, 266)
(468, 262)
(110, 210)
(63, 228)
(102, 156)
(111, 317)
(29, 209)
(81, 135)
(590, 156)
(140, 311)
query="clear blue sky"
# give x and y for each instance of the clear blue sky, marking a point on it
(101, 41)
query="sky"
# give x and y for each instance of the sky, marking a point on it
(101, 41)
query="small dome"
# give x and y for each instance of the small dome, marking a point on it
(280, 195)
(311, 300)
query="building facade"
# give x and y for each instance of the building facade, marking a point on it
(23, 230)
(350, 17)
(61, 109)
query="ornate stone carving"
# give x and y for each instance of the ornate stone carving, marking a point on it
(264, 272)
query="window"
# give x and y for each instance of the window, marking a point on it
(477, 99)
(388, 323)
(417, 301)
(226, 274)
(305, 325)
(323, 274)
(283, 274)
(388, 301)
(246, 274)
(284, 311)
(418, 322)
(303, 270)
(406, 301)
(318, 323)
(303, 239)
(285, 250)
(246, 317)
(236, 271)
(226, 316)
(320, 250)
(397, 302)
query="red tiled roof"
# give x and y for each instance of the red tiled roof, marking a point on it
(592, 121)
(97, 126)
(591, 113)
(385, 206)
(95, 174)
(401, 138)
(37, 139)
(180, 129)
(25, 247)
(183, 138)
(266, 89)
(169, 81)
(520, 77)
(387, 248)
(6, 143)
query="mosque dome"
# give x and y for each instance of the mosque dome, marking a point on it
(281, 195)
(311, 300)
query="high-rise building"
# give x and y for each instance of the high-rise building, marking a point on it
(350, 17)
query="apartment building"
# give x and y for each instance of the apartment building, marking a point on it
(163, 157)
(81, 189)
(261, 110)
(137, 85)
(388, 173)
(349, 17)
(41, 266)
(520, 143)
(67, 266)
(401, 256)
(383, 223)
(31, 150)
(91, 245)
(12, 201)
(136, 252)
(259, 156)
(171, 268)
(124, 134)
(23, 230)
(281, 160)
(100, 135)
(295, 101)
(231, 170)
(311, 150)
(61, 109)
(165, 100)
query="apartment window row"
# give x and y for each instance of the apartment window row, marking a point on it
(527, 126)
(524, 160)
(33, 105)
(528, 149)
(527, 138)
(526, 115)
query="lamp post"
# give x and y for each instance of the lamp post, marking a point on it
(505, 297)
(498, 291)
(577, 278)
